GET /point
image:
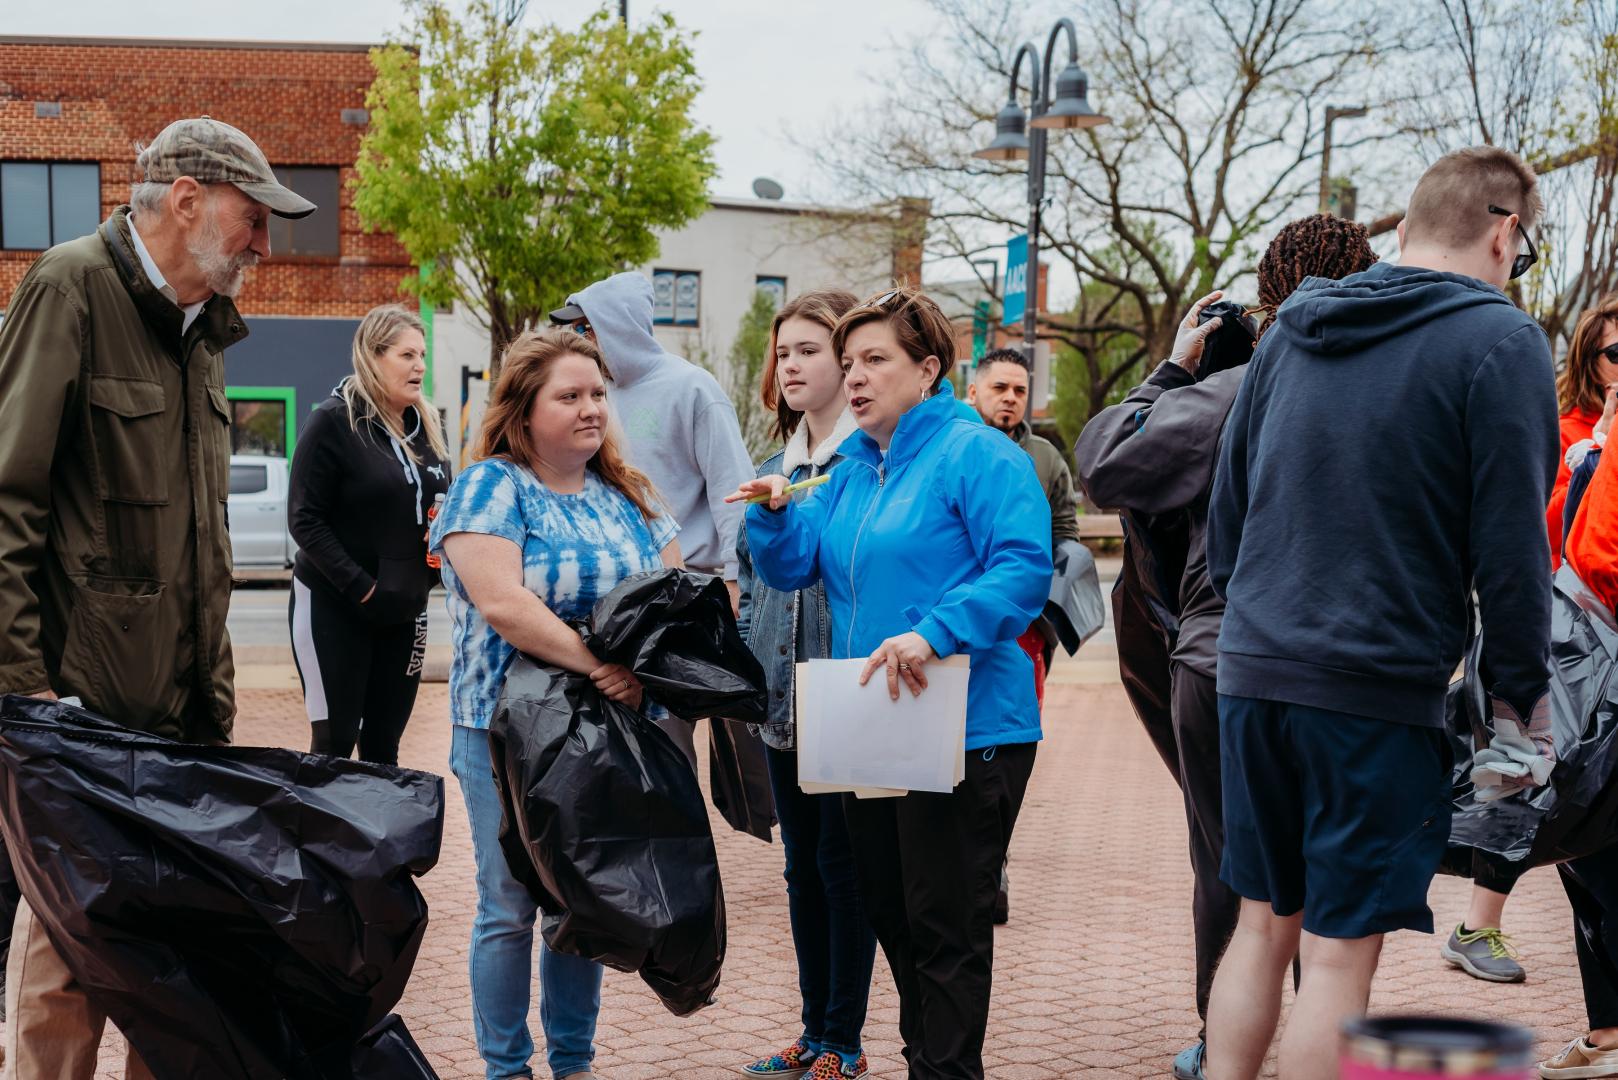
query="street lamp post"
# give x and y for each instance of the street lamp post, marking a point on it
(1333, 114)
(1068, 108)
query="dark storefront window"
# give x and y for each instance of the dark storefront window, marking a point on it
(45, 203)
(258, 425)
(316, 234)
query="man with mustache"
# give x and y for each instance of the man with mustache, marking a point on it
(114, 468)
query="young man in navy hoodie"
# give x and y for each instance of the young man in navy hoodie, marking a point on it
(1391, 450)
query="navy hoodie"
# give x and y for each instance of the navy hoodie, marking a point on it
(1391, 450)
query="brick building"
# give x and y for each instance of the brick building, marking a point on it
(71, 110)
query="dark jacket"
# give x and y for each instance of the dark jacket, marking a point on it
(114, 471)
(1153, 453)
(358, 509)
(1391, 450)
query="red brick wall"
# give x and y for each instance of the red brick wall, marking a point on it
(289, 100)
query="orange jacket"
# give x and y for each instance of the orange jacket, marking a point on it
(1576, 425)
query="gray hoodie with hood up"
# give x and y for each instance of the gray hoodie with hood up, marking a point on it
(681, 428)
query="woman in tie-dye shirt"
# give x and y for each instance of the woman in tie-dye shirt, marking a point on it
(547, 520)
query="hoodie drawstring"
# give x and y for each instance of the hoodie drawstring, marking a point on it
(412, 475)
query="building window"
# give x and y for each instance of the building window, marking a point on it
(316, 234)
(45, 203)
(676, 297)
(261, 419)
(775, 286)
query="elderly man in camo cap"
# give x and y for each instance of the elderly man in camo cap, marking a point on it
(114, 465)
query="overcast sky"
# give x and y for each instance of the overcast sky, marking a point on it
(767, 68)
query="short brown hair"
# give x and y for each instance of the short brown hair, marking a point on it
(823, 306)
(919, 323)
(1450, 206)
(525, 368)
(1577, 388)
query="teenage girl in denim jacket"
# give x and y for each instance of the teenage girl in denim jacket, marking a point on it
(836, 946)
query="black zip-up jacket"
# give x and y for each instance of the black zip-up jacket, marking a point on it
(359, 508)
(1153, 454)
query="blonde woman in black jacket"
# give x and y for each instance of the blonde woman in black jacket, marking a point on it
(368, 470)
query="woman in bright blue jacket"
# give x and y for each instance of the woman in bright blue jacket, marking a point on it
(932, 539)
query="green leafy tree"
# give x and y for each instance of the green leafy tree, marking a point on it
(517, 165)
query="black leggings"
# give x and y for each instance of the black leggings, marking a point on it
(359, 679)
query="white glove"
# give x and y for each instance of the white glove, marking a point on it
(1519, 756)
(1190, 338)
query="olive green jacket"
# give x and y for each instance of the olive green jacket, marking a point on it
(115, 571)
(1057, 480)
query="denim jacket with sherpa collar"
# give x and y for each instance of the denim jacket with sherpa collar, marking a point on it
(769, 617)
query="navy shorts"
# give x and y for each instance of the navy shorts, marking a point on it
(1341, 817)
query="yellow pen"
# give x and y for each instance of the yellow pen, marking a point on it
(793, 489)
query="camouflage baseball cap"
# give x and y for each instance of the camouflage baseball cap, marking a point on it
(214, 153)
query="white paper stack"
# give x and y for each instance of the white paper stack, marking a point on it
(856, 738)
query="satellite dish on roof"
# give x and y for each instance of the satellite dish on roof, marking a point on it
(765, 188)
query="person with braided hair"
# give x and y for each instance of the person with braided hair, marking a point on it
(1153, 455)
(1389, 455)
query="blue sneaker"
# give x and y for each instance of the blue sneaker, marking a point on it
(1188, 1062)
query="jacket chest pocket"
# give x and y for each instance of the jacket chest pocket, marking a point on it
(130, 430)
(216, 441)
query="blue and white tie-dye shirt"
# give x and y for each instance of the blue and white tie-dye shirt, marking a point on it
(575, 550)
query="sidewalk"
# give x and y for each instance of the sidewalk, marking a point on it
(1093, 975)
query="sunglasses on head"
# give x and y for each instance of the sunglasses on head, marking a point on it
(1525, 259)
(580, 328)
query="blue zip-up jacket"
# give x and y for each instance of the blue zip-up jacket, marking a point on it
(1391, 450)
(948, 534)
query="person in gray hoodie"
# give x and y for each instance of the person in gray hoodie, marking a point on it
(680, 427)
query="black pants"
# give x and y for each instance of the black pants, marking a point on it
(1591, 884)
(1214, 905)
(359, 679)
(929, 868)
(1143, 664)
(835, 944)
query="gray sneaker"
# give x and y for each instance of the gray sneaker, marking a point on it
(1483, 954)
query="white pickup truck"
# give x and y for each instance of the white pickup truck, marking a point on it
(258, 513)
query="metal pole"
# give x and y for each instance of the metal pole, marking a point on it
(1325, 162)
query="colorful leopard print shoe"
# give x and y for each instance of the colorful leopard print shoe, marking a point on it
(793, 1062)
(831, 1066)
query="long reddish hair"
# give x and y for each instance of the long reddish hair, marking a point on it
(525, 368)
(823, 306)
(1578, 388)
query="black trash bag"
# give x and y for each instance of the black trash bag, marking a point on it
(1074, 610)
(1232, 344)
(239, 912)
(389, 1053)
(674, 629)
(739, 779)
(1576, 814)
(604, 821)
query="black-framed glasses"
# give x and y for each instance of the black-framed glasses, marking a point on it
(1524, 259)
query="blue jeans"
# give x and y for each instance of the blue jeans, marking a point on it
(503, 946)
(835, 943)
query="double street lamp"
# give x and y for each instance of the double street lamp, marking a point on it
(1068, 108)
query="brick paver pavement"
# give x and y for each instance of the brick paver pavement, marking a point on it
(1092, 975)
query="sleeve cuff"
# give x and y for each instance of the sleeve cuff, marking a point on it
(1170, 376)
(933, 632)
(362, 584)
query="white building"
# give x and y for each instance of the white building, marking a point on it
(706, 274)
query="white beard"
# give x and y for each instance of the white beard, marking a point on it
(224, 274)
